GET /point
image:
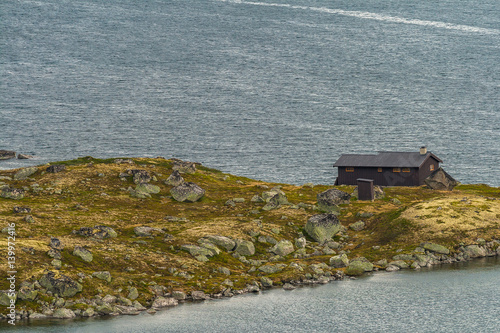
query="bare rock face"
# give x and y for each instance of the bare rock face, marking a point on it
(322, 227)
(187, 192)
(7, 154)
(440, 180)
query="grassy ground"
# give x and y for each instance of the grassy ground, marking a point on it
(90, 192)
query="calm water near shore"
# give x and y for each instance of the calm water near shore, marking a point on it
(449, 298)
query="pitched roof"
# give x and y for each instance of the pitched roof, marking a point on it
(385, 159)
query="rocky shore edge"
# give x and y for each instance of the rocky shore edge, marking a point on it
(427, 255)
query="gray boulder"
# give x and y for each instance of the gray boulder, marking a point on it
(271, 269)
(163, 302)
(184, 166)
(221, 241)
(98, 231)
(145, 231)
(187, 192)
(440, 180)
(175, 179)
(27, 294)
(5, 297)
(245, 248)
(266, 282)
(140, 176)
(25, 173)
(56, 168)
(196, 250)
(329, 200)
(24, 156)
(103, 275)
(198, 295)
(358, 266)
(283, 248)
(322, 227)
(475, 251)
(11, 193)
(62, 285)
(63, 313)
(7, 154)
(83, 253)
(435, 248)
(339, 261)
(357, 226)
(56, 244)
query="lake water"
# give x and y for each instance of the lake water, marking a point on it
(451, 298)
(273, 90)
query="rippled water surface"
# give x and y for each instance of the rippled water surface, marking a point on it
(274, 90)
(451, 298)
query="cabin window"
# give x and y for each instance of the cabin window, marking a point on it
(349, 169)
(432, 167)
(396, 169)
(406, 169)
(379, 169)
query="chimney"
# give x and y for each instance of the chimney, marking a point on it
(423, 150)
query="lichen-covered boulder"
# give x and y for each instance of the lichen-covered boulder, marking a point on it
(435, 248)
(175, 179)
(357, 226)
(339, 261)
(56, 168)
(329, 200)
(83, 253)
(103, 275)
(440, 180)
(358, 266)
(245, 248)
(140, 176)
(322, 227)
(145, 231)
(11, 193)
(475, 251)
(27, 294)
(62, 285)
(283, 248)
(222, 241)
(6, 296)
(187, 192)
(63, 313)
(25, 173)
(184, 166)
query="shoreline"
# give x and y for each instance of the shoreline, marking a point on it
(88, 246)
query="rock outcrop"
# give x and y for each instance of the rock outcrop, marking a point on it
(63, 285)
(322, 227)
(440, 180)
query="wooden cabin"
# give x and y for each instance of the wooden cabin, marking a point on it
(387, 168)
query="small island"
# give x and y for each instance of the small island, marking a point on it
(93, 237)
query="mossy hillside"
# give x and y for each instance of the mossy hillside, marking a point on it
(90, 192)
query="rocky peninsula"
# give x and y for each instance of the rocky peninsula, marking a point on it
(94, 237)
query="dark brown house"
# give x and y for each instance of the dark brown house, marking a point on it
(387, 168)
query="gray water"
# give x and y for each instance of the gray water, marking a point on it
(452, 298)
(273, 90)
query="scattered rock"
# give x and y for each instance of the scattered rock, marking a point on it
(11, 193)
(145, 231)
(7, 154)
(322, 227)
(440, 180)
(179, 295)
(199, 295)
(62, 285)
(184, 166)
(329, 200)
(25, 173)
(266, 282)
(271, 269)
(105, 309)
(357, 226)
(24, 156)
(133, 293)
(196, 250)
(5, 297)
(83, 253)
(27, 294)
(140, 176)
(21, 210)
(222, 241)
(339, 261)
(435, 248)
(358, 266)
(245, 248)
(175, 179)
(163, 302)
(187, 192)
(283, 248)
(98, 231)
(103, 275)
(56, 168)
(475, 251)
(63, 313)
(288, 286)
(56, 244)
